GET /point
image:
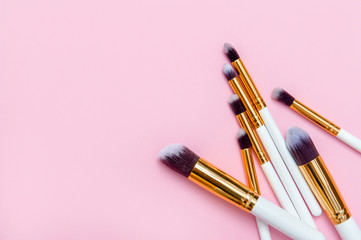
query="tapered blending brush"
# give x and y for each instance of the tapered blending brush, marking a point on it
(190, 165)
(237, 63)
(267, 168)
(321, 182)
(284, 97)
(272, 128)
(271, 149)
(246, 145)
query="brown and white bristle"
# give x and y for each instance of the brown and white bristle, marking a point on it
(179, 158)
(301, 146)
(231, 52)
(236, 104)
(228, 71)
(243, 139)
(282, 96)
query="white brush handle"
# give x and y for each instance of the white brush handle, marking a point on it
(284, 222)
(349, 230)
(263, 230)
(278, 188)
(296, 174)
(349, 139)
(285, 176)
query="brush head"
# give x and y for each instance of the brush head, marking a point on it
(179, 158)
(301, 146)
(231, 52)
(236, 104)
(228, 72)
(282, 96)
(243, 139)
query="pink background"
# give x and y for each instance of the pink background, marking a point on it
(90, 91)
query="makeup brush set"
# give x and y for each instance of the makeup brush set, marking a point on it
(293, 167)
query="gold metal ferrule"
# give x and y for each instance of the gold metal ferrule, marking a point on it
(324, 188)
(243, 120)
(250, 170)
(254, 116)
(316, 118)
(249, 84)
(221, 184)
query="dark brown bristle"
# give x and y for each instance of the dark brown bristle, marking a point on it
(179, 158)
(236, 104)
(301, 146)
(243, 139)
(228, 72)
(282, 96)
(231, 52)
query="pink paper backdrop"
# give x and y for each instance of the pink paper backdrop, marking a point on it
(90, 91)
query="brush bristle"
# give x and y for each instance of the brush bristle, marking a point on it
(179, 158)
(231, 52)
(281, 95)
(301, 146)
(228, 72)
(236, 104)
(243, 139)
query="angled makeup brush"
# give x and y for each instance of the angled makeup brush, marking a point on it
(272, 128)
(267, 168)
(246, 145)
(284, 97)
(321, 182)
(190, 165)
(272, 151)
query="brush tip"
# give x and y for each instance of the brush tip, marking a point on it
(243, 139)
(236, 104)
(282, 96)
(228, 72)
(179, 158)
(231, 52)
(227, 46)
(300, 145)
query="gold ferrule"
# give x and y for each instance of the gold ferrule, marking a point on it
(250, 170)
(252, 113)
(324, 188)
(316, 118)
(221, 184)
(244, 121)
(249, 84)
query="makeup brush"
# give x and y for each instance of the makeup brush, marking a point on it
(271, 175)
(271, 149)
(246, 145)
(190, 165)
(272, 128)
(284, 97)
(237, 63)
(321, 182)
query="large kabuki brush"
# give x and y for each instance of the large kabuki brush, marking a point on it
(271, 149)
(190, 165)
(321, 182)
(282, 96)
(246, 146)
(267, 168)
(272, 128)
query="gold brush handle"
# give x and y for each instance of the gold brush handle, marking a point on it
(221, 184)
(323, 186)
